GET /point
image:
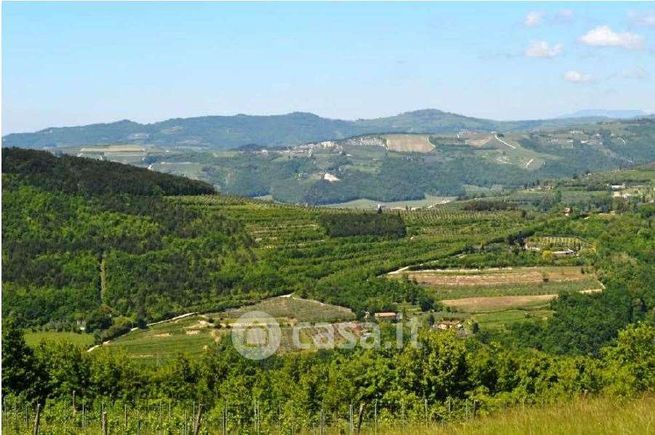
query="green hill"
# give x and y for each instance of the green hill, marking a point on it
(94, 177)
(339, 171)
(224, 132)
(99, 243)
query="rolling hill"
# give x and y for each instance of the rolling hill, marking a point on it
(225, 132)
(614, 114)
(395, 167)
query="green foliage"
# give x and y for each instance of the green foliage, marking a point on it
(445, 378)
(631, 363)
(363, 224)
(21, 371)
(92, 177)
(71, 245)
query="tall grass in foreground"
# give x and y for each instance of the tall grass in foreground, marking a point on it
(581, 416)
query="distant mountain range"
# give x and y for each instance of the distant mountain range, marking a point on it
(226, 132)
(601, 113)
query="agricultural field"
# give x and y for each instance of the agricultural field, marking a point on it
(496, 277)
(496, 297)
(290, 308)
(158, 343)
(408, 143)
(369, 204)
(579, 415)
(292, 239)
(33, 339)
(195, 334)
(558, 244)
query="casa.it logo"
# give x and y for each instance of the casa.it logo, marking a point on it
(256, 335)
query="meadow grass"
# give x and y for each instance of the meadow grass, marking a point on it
(582, 416)
(503, 319)
(35, 338)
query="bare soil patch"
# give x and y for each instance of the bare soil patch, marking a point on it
(473, 277)
(409, 143)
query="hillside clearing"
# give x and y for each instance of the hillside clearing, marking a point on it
(497, 303)
(495, 277)
(408, 143)
(33, 339)
(292, 307)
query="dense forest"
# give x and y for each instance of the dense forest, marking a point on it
(100, 243)
(94, 177)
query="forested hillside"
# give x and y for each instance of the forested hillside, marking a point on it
(99, 243)
(223, 132)
(401, 167)
(94, 177)
(109, 247)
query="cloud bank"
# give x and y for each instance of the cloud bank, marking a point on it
(604, 36)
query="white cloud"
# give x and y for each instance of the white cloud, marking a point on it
(576, 77)
(604, 36)
(533, 18)
(543, 49)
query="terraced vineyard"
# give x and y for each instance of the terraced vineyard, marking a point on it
(484, 294)
(300, 244)
(194, 335)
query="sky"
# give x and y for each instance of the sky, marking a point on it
(67, 64)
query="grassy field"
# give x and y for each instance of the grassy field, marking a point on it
(497, 276)
(190, 336)
(35, 338)
(497, 320)
(497, 303)
(580, 417)
(520, 281)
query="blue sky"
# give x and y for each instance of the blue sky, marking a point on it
(79, 63)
